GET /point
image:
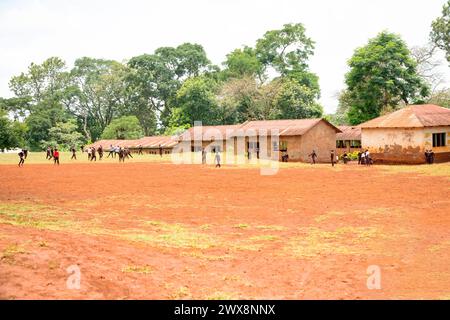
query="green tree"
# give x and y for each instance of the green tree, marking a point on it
(64, 135)
(441, 98)
(154, 79)
(440, 33)
(297, 101)
(243, 63)
(12, 133)
(99, 95)
(196, 101)
(45, 116)
(42, 95)
(126, 127)
(286, 50)
(340, 117)
(382, 74)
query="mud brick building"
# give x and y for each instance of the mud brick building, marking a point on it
(348, 140)
(404, 135)
(296, 138)
(150, 145)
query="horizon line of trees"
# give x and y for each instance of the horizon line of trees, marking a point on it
(166, 91)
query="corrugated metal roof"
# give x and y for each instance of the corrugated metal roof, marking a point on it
(155, 142)
(415, 116)
(145, 142)
(209, 133)
(349, 133)
(292, 127)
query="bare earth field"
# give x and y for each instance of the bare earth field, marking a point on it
(162, 231)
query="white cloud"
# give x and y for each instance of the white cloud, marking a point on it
(31, 31)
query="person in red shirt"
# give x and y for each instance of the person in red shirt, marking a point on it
(56, 156)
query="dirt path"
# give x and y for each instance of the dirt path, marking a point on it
(159, 231)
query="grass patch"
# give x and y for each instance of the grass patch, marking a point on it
(265, 238)
(271, 228)
(219, 295)
(444, 245)
(11, 251)
(138, 269)
(208, 257)
(180, 293)
(440, 169)
(64, 157)
(242, 226)
(345, 240)
(172, 235)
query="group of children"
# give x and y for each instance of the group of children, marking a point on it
(92, 153)
(364, 158)
(122, 153)
(53, 153)
(216, 158)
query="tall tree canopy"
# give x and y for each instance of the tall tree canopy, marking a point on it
(155, 78)
(440, 33)
(382, 74)
(99, 95)
(126, 127)
(286, 50)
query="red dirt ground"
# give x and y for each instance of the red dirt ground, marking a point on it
(163, 231)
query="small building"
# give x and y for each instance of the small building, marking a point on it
(404, 135)
(154, 144)
(150, 145)
(210, 138)
(348, 140)
(297, 138)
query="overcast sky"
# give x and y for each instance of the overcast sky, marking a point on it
(33, 30)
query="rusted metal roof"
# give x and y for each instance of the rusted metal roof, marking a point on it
(155, 142)
(209, 133)
(349, 133)
(415, 116)
(293, 127)
(145, 142)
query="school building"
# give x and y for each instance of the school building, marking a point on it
(150, 145)
(272, 139)
(348, 140)
(404, 135)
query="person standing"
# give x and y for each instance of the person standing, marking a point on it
(140, 150)
(56, 156)
(217, 159)
(74, 153)
(345, 158)
(431, 156)
(359, 157)
(333, 158)
(93, 154)
(368, 159)
(22, 160)
(49, 154)
(313, 156)
(100, 152)
(203, 156)
(160, 151)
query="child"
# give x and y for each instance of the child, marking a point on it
(22, 160)
(56, 156)
(217, 158)
(93, 154)
(100, 152)
(74, 153)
